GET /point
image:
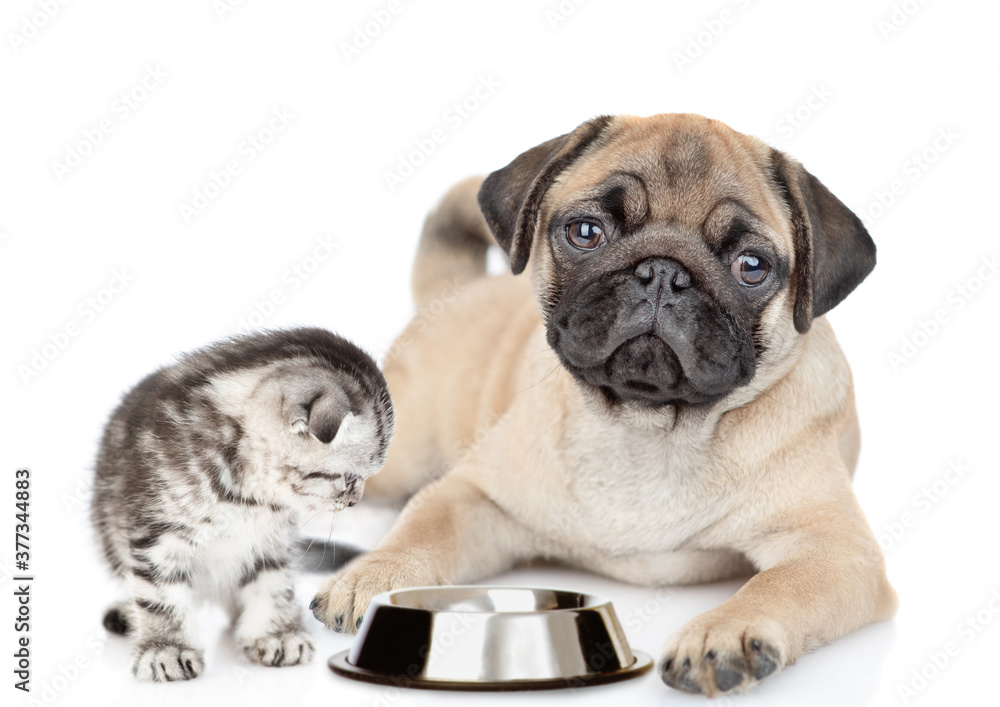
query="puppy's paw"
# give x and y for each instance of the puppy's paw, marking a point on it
(343, 599)
(163, 662)
(714, 656)
(277, 650)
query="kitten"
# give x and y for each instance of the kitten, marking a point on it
(200, 475)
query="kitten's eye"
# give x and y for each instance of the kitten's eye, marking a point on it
(750, 270)
(585, 235)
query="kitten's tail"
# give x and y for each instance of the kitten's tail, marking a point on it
(453, 244)
(118, 619)
(322, 556)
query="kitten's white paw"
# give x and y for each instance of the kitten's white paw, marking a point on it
(157, 662)
(280, 649)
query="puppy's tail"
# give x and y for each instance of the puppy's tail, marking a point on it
(453, 244)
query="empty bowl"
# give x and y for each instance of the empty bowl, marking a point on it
(489, 638)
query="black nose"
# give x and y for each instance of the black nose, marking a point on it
(657, 274)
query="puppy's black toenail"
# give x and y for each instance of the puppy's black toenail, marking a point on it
(687, 663)
(765, 666)
(689, 685)
(755, 644)
(357, 624)
(710, 655)
(665, 665)
(313, 603)
(727, 679)
(338, 623)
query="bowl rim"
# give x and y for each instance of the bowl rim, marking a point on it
(593, 601)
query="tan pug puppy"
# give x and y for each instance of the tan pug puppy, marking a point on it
(662, 402)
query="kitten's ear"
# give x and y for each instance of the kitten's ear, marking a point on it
(319, 413)
(326, 413)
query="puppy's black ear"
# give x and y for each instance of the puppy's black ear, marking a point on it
(833, 251)
(510, 198)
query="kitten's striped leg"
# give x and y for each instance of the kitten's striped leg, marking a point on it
(164, 649)
(269, 627)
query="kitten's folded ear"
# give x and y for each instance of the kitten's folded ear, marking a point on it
(326, 413)
(319, 413)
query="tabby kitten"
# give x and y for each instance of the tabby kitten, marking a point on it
(201, 473)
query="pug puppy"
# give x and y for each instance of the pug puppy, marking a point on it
(661, 401)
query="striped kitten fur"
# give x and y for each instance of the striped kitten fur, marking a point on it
(202, 472)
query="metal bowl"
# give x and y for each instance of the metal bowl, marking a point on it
(489, 638)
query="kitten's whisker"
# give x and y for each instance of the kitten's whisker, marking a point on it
(305, 552)
(329, 539)
(309, 519)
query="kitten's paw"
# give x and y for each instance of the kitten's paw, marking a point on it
(280, 649)
(343, 599)
(716, 655)
(162, 662)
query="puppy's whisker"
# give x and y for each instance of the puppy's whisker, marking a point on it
(539, 382)
(768, 395)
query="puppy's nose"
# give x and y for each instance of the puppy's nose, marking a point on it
(656, 274)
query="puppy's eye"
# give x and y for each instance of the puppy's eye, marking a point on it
(750, 270)
(585, 235)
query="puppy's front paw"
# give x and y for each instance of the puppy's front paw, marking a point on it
(713, 656)
(277, 650)
(343, 599)
(158, 662)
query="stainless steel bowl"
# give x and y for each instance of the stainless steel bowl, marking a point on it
(490, 638)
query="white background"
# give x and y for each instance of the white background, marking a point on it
(885, 84)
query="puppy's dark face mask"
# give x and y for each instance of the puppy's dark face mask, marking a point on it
(666, 240)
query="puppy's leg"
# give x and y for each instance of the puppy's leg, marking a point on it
(823, 576)
(449, 533)
(269, 625)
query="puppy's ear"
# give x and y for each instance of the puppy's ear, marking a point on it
(510, 198)
(833, 251)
